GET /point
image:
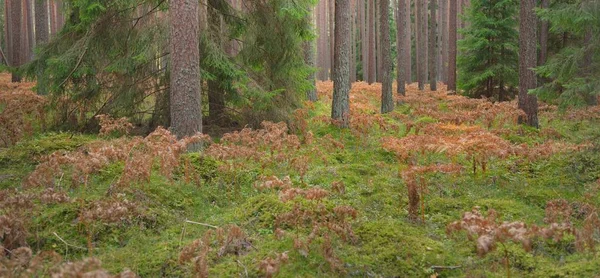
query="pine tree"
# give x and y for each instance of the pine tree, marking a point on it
(387, 97)
(404, 45)
(452, 45)
(17, 55)
(528, 61)
(489, 50)
(341, 76)
(571, 74)
(432, 46)
(186, 113)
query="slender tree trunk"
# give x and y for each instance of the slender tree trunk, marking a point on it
(378, 63)
(322, 41)
(444, 35)
(332, 37)
(422, 43)
(371, 42)
(341, 91)
(8, 31)
(309, 58)
(452, 46)
(439, 40)
(528, 61)
(53, 28)
(403, 36)
(16, 37)
(387, 97)
(432, 46)
(185, 95)
(353, 42)
(409, 42)
(364, 38)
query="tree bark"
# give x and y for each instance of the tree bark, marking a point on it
(432, 46)
(186, 112)
(322, 49)
(53, 16)
(341, 91)
(16, 37)
(387, 97)
(403, 42)
(8, 31)
(421, 43)
(309, 58)
(364, 35)
(378, 64)
(371, 42)
(444, 35)
(528, 61)
(353, 41)
(452, 46)
(332, 37)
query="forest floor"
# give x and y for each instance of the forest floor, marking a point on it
(314, 200)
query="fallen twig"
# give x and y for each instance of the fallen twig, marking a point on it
(201, 224)
(68, 244)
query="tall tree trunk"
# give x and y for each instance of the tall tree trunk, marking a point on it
(16, 36)
(341, 100)
(409, 42)
(452, 46)
(41, 37)
(371, 42)
(8, 29)
(53, 28)
(353, 42)
(439, 40)
(444, 35)
(378, 63)
(331, 36)
(403, 57)
(185, 97)
(528, 61)
(322, 49)
(387, 97)
(309, 58)
(364, 39)
(432, 46)
(421, 43)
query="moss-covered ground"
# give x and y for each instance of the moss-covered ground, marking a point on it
(387, 243)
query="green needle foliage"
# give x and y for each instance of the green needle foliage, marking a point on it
(112, 58)
(489, 50)
(573, 73)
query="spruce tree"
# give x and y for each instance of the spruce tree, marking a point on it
(490, 50)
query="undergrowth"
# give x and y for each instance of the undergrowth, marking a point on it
(385, 198)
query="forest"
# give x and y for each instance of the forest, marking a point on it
(299, 138)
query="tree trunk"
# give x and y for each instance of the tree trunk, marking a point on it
(444, 35)
(527, 61)
(353, 41)
(364, 37)
(452, 46)
(432, 46)
(387, 97)
(186, 112)
(371, 42)
(309, 59)
(341, 101)
(8, 31)
(53, 21)
(439, 31)
(421, 43)
(332, 37)
(377, 5)
(16, 37)
(322, 41)
(403, 57)
(30, 30)
(409, 42)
